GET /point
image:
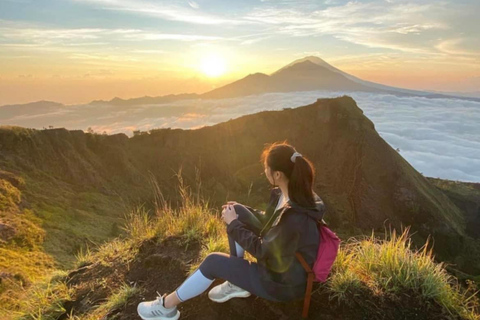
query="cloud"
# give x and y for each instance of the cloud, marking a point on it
(39, 36)
(412, 27)
(439, 137)
(193, 4)
(457, 47)
(165, 10)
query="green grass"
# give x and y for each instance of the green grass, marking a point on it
(44, 300)
(9, 195)
(115, 301)
(389, 267)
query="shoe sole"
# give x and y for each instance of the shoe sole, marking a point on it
(175, 317)
(233, 295)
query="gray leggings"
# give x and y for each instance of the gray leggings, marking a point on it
(233, 268)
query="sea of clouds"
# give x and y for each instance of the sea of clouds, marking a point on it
(438, 137)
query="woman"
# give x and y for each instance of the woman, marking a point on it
(272, 237)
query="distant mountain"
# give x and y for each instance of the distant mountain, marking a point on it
(302, 76)
(147, 100)
(29, 109)
(308, 74)
(469, 94)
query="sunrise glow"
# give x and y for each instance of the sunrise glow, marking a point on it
(213, 65)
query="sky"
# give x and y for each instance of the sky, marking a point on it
(76, 51)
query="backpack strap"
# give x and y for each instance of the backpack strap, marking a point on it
(303, 262)
(308, 291)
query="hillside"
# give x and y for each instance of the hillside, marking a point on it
(371, 278)
(73, 188)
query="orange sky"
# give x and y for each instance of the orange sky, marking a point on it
(98, 49)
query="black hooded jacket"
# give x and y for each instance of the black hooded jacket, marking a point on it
(283, 277)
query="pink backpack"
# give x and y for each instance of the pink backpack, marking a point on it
(326, 255)
(327, 252)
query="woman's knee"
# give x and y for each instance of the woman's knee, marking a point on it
(212, 260)
(247, 217)
(243, 213)
(241, 209)
(214, 257)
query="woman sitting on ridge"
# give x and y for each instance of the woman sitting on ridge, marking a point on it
(272, 237)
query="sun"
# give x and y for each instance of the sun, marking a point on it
(213, 65)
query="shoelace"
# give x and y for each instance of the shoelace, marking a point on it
(158, 300)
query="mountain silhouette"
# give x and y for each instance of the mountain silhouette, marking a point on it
(306, 74)
(147, 100)
(29, 109)
(309, 74)
(301, 76)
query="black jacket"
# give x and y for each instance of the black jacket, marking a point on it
(283, 277)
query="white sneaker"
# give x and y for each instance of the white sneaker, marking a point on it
(154, 310)
(226, 291)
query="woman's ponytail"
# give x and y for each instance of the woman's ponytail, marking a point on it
(300, 185)
(281, 156)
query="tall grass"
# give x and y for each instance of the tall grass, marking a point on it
(117, 300)
(192, 221)
(389, 267)
(44, 300)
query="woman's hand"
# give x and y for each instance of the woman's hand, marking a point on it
(228, 213)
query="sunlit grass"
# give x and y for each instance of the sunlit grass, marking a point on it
(390, 267)
(83, 257)
(44, 300)
(115, 301)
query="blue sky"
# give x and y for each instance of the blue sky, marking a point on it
(108, 47)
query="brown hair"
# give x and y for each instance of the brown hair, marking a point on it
(300, 173)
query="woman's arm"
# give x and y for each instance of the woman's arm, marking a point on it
(259, 214)
(277, 247)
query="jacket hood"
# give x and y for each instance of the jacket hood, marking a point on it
(316, 212)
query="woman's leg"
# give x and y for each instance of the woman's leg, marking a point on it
(237, 271)
(240, 272)
(246, 216)
(198, 281)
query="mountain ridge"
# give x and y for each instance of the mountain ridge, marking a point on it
(343, 125)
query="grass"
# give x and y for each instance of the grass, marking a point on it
(388, 267)
(46, 298)
(9, 195)
(364, 268)
(115, 301)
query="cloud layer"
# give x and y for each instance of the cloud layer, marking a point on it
(439, 137)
